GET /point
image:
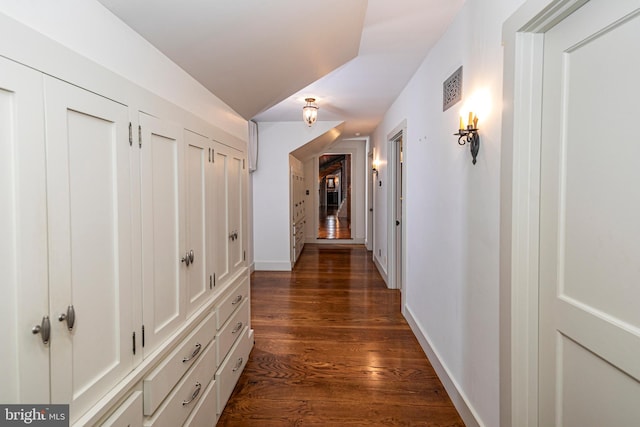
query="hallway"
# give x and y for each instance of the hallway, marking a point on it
(333, 349)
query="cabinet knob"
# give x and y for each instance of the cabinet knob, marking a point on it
(44, 329)
(69, 316)
(186, 259)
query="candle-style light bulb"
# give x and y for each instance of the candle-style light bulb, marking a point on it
(470, 122)
(461, 124)
(475, 122)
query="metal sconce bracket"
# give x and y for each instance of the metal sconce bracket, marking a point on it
(470, 135)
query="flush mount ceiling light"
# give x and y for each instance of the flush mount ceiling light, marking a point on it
(310, 111)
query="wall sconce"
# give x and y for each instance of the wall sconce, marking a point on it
(310, 111)
(469, 134)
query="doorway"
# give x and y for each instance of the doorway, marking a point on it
(334, 196)
(396, 206)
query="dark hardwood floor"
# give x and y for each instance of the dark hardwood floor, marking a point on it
(333, 349)
(331, 226)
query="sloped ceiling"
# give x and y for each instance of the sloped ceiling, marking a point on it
(263, 57)
(250, 53)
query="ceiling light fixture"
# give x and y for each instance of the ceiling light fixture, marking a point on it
(310, 111)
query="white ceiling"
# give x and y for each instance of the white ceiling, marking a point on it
(264, 57)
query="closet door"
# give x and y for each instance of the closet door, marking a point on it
(230, 189)
(223, 235)
(24, 299)
(236, 194)
(163, 244)
(89, 214)
(198, 155)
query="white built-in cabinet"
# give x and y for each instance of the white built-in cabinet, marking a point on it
(298, 212)
(122, 232)
(24, 290)
(162, 216)
(88, 186)
(229, 169)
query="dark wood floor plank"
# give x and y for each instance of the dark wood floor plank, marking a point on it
(333, 349)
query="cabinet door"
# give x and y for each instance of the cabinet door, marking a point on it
(24, 299)
(236, 194)
(229, 178)
(198, 155)
(89, 214)
(163, 243)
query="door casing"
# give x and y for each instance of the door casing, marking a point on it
(393, 263)
(523, 39)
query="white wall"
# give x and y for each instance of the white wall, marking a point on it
(271, 219)
(452, 209)
(88, 28)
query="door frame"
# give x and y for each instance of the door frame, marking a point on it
(400, 131)
(369, 215)
(523, 40)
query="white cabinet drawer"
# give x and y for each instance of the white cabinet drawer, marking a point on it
(205, 413)
(129, 414)
(229, 372)
(164, 377)
(232, 330)
(177, 407)
(231, 302)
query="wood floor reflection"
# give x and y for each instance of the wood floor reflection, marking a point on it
(331, 226)
(333, 349)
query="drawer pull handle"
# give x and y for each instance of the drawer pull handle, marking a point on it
(194, 354)
(238, 328)
(193, 396)
(237, 300)
(238, 365)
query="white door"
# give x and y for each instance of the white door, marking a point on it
(223, 235)
(89, 214)
(590, 219)
(230, 190)
(24, 294)
(163, 237)
(398, 206)
(235, 197)
(197, 160)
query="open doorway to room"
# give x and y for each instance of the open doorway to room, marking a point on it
(334, 201)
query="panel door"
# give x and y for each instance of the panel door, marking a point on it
(229, 176)
(197, 156)
(222, 232)
(89, 214)
(590, 228)
(164, 248)
(236, 194)
(24, 297)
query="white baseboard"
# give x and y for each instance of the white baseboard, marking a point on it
(459, 399)
(381, 270)
(272, 265)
